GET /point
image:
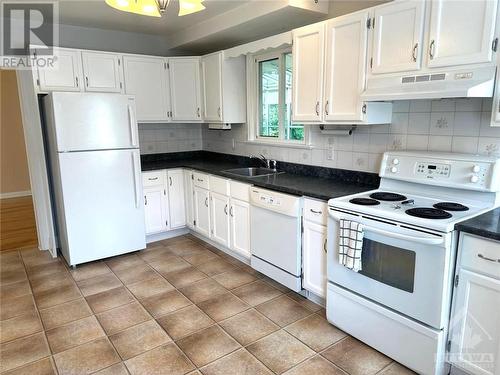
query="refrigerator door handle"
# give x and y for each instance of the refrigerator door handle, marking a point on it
(133, 127)
(137, 189)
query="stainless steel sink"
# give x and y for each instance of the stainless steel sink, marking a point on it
(252, 172)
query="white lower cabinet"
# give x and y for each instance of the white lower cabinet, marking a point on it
(176, 200)
(155, 209)
(189, 198)
(314, 258)
(220, 218)
(239, 213)
(201, 211)
(475, 323)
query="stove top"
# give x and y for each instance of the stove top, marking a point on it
(429, 190)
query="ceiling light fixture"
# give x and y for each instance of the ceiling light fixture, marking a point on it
(155, 8)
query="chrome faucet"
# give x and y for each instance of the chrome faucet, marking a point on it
(267, 162)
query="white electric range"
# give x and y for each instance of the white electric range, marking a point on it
(399, 302)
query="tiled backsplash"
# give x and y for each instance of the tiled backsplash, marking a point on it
(163, 138)
(448, 125)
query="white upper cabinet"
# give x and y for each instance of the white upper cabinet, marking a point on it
(461, 32)
(345, 71)
(211, 67)
(224, 88)
(66, 75)
(102, 71)
(185, 89)
(397, 36)
(147, 79)
(176, 198)
(308, 67)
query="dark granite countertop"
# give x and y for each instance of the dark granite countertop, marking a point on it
(316, 182)
(486, 225)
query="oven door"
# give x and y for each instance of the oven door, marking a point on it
(403, 268)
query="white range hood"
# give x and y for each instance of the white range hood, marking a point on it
(455, 83)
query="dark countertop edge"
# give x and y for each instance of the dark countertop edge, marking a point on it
(483, 225)
(251, 181)
(185, 160)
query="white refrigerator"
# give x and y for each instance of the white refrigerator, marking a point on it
(93, 147)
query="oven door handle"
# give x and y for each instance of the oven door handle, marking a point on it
(422, 240)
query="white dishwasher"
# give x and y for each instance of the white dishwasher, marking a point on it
(275, 236)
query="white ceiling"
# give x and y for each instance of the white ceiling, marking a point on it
(97, 14)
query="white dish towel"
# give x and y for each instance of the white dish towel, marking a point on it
(350, 244)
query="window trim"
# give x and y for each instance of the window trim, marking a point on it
(253, 100)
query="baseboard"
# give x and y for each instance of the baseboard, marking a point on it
(221, 248)
(15, 194)
(166, 235)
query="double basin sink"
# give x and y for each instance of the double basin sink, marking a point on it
(252, 172)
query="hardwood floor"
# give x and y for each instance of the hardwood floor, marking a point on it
(17, 224)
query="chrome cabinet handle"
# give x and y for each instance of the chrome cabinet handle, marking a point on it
(87, 81)
(206, 201)
(363, 109)
(488, 259)
(414, 52)
(231, 211)
(225, 209)
(198, 111)
(170, 179)
(326, 108)
(199, 180)
(431, 49)
(324, 245)
(218, 112)
(317, 108)
(76, 78)
(153, 179)
(145, 200)
(315, 212)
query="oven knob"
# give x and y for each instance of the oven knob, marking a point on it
(395, 161)
(476, 168)
(474, 179)
(394, 169)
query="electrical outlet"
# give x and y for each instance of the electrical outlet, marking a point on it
(330, 153)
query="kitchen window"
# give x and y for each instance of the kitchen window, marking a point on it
(271, 110)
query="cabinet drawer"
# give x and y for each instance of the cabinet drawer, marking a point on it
(219, 185)
(239, 191)
(315, 211)
(153, 178)
(201, 180)
(481, 255)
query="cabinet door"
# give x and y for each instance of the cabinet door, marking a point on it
(211, 67)
(345, 67)
(147, 79)
(202, 211)
(176, 202)
(397, 37)
(66, 75)
(155, 209)
(185, 88)
(461, 32)
(102, 71)
(220, 218)
(240, 227)
(475, 324)
(315, 258)
(308, 66)
(189, 197)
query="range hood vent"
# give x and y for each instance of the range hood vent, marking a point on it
(477, 82)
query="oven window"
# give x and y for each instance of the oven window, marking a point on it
(388, 264)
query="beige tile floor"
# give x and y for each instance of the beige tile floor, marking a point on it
(178, 307)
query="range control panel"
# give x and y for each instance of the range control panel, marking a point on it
(472, 172)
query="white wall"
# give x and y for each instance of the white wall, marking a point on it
(111, 40)
(460, 125)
